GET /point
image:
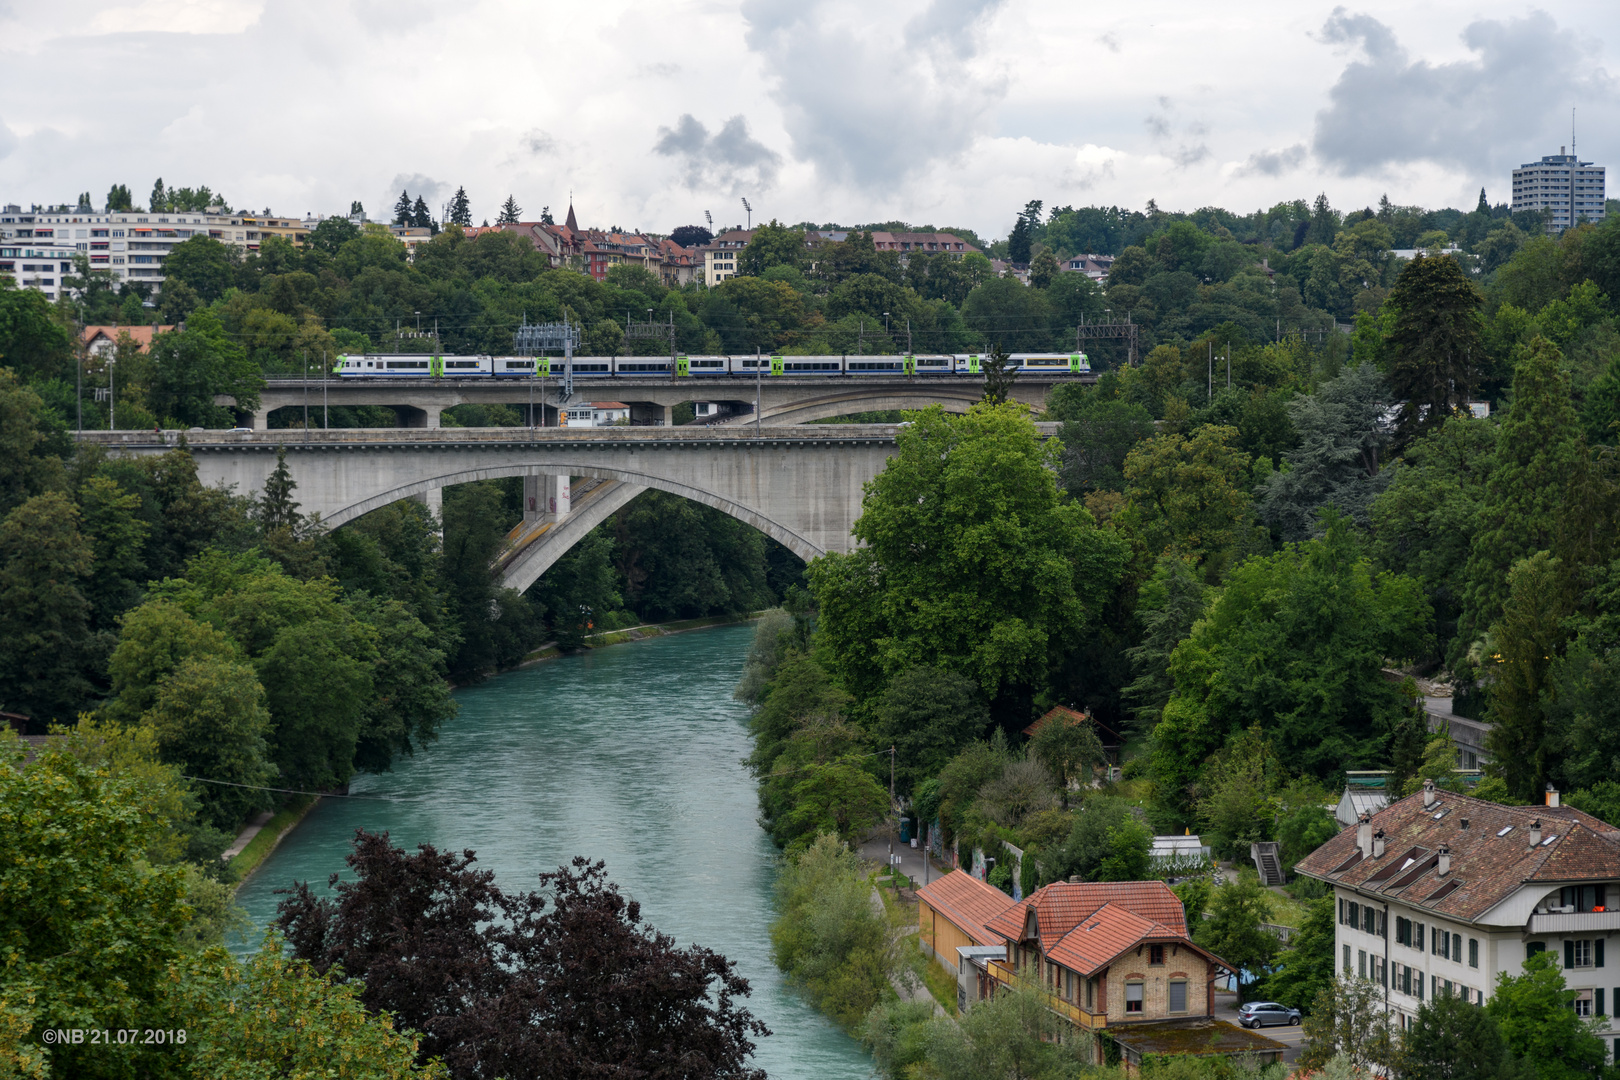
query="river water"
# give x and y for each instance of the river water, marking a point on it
(629, 754)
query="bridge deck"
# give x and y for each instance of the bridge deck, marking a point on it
(358, 438)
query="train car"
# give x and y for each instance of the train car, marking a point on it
(1051, 363)
(517, 367)
(413, 366)
(702, 366)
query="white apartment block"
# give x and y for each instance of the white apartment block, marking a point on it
(37, 247)
(1569, 190)
(1441, 893)
(720, 255)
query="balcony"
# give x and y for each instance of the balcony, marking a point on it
(1074, 1014)
(1576, 922)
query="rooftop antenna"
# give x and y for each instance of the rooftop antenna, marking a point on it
(750, 210)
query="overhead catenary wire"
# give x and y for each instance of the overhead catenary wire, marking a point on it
(290, 791)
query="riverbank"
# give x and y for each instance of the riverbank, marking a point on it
(551, 651)
(271, 833)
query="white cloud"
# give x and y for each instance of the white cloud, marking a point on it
(180, 17)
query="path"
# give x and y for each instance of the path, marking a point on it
(247, 835)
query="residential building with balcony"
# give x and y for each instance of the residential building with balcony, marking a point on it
(1113, 959)
(38, 246)
(1440, 892)
(932, 243)
(1562, 186)
(720, 255)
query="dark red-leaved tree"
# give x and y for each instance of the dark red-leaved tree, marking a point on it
(565, 982)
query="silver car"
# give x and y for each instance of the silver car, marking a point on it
(1256, 1014)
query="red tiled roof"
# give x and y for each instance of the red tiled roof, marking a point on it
(1060, 907)
(1487, 864)
(968, 903)
(1103, 935)
(142, 335)
(1053, 713)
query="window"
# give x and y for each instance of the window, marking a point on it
(1456, 947)
(1417, 936)
(1361, 962)
(1369, 919)
(1133, 997)
(1583, 1003)
(1178, 997)
(1473, 952)
(1403, 931)
(1581, 954)
(1156, 954)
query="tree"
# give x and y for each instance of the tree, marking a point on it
(928, 716)
(1044, 269)
(277, 510)
(827, 937)
(1348, 1018)
(1012, 1035)
(332, 233)
(971, 563)
(191, 367)
(692, 236)
(545, 217)
(1023, 235)
(118, 198)
(403, 213)
(1305, 966)
(510, 213)
(1296, 643)
(210, 719)
(512, 983)
(773, 244)
(112, 522)
(1068, 747)
(1527, 638)
(88, 928)
(160, 197)
(1451, 1039)
(45, 562)
(1097, 435)
(421, 216)
(33, 342)
(1090, 840)
(1342, 436)
(1536, 1016)
(1167, 606)
(999, 374)
(1188, 496)
(1436, 342)
(202, 263)
(237, 1022)
(1130, 844)
(1529, 502)
(1233, 931)
(460, 208)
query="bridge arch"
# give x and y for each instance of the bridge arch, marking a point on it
(788, 538)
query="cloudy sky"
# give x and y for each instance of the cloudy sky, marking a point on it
(935, 111)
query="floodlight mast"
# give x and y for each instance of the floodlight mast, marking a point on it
(750, 210)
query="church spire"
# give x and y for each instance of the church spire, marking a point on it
(573, 223)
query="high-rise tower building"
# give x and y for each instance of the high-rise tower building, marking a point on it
(1567, 189)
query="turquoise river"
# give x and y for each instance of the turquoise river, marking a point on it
(631, 755)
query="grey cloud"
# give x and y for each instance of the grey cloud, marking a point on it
(729, 160)
(1273, 162)
(872, 102)
(538, 142)
(1187, 151)
(1110, 41)
(1484, 113)
(430, 190)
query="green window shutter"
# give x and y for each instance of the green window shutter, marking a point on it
(1569, 954)
(1533, 947)
(1597, 1003)
(1597, 956)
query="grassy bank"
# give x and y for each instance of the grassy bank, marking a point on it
(248, 859)
(550, 651)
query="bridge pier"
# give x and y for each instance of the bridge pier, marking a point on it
(433, 499)
(546, 497)
(419, 416)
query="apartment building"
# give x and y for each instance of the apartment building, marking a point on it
(1441, 893)
(1567, 189)
(720, 255)
(38, 246)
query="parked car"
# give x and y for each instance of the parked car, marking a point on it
(1256, 1014)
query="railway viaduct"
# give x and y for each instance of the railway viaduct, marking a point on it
(782, 399)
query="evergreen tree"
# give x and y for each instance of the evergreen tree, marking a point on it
(510, 212)
(1019, 241)
(160, 197)
(118, 198)
(276, 507)
(1527, 641)
(1436, 342)
(545, 216)
(1529, 502)
(460, 208)
(421, 216)
(1324, 225)
(403, 214)
(357, 210)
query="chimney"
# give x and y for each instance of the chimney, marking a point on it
(1552, 796)
(1535, 833)
(1428, 793)
(1443, 864)
(1364, 832)
(1378, 844)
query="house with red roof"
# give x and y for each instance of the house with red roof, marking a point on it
(954, 912)
(1115, 960)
